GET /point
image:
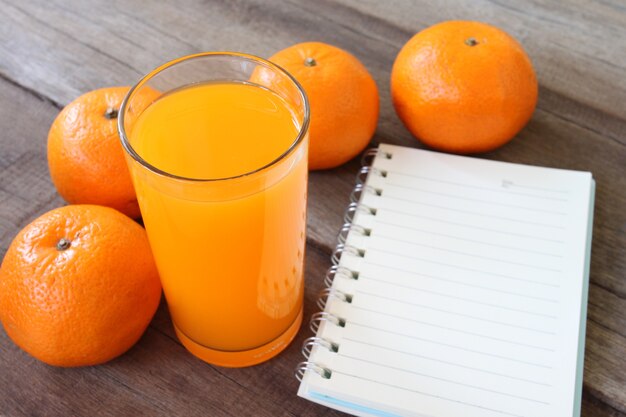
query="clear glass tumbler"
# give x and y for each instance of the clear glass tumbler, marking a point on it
(217, 144)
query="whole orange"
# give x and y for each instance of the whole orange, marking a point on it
(78, 286)
(85, 155)
(463, 86)
(343, 97)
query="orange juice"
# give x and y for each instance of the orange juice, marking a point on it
(229, 240)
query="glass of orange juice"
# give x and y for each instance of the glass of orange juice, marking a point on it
(216, 144)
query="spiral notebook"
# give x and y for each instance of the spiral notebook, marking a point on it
(458, 288)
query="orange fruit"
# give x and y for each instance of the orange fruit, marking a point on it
(463, 87)
(343, 97)
(78, 286)
(85, 155)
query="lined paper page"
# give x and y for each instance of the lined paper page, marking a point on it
(468, 298)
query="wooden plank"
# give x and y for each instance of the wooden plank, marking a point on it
(592, 407)
(25, 187)
(582, 69)
(604, 376)
(578, 48)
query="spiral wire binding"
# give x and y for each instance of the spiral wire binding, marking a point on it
(336, 270)
(320, 316)
(370, 154)
(332, 292)
(311, 366)
(352, 208)
(349, 227)
(362, 175)
(342, 248)
(339, 271)
(359, 189)
(309, 343)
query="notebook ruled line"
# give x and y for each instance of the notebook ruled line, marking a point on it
(486, 229)
(532, 297)
(415, 258)
(478, 187)
(491, 203)
(430, 358)
(531, 187)
(469, 300)
(429, 394)
(499, 191)
(511, 219)
(454, 313)
(473, 255)
(464, 349)
(430, 232)
(452, 329)
(450, 381)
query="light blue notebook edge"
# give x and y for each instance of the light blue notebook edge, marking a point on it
(349, 407)
(583, 309)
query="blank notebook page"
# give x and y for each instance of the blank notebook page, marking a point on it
(471, 291)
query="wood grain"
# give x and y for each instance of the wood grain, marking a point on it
(51, 51)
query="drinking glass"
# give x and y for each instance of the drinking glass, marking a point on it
(229, 247)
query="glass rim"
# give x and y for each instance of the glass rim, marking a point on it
(253, 58)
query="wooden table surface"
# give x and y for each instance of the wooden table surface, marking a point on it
(51, 51)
